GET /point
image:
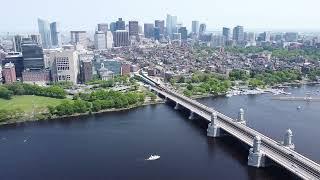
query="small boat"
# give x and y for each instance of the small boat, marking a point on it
(153, 157)
(229, 95)
(299, 107)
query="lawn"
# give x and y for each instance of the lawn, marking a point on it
(26, 103)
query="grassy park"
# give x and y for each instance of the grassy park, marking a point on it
(27, 102)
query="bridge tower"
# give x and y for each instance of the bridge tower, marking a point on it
(214, 129)
(241, 119)
(288, 139)
(256, 158)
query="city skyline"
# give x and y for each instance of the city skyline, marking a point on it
(274, 15)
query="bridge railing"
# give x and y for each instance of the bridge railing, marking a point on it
(251, 133)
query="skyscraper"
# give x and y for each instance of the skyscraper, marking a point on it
(156, 33)
(121, 38)
(120, 24)
(103, 27)
(265, 36)
(159, 24)
(238, 34)
(100, 40)
(113, 27)
(171, 25)
(44, 30)
(79, 37)
(17, 43)
(33, 58)
(109, 40)
(55, 34)
(184, 33)
(148, 30)
(195, 27)
(203, 28)
(226, 33)
(291, 36)
(133, 28)
(35, 38)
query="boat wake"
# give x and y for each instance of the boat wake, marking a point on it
(153, 158)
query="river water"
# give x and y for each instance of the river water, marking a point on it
(115, 145)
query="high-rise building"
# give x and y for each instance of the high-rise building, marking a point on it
(17, 43)
(184, 33)
(121, 38)
(113, 27)
(291, 36)
(103, 27)
(9, 73)
(159, 24)
(44, 30)
(109, 39)
(202, 28)
(171, 25)
(156, 33)
(251, 37)
(238, 34)
(79, 37)
(263, 37)
(133, 28)
(100, 40)
(226, 33)
(217, 41)
(17, 59)
(32, 53)
(120, 24)
(195, 27)
(55, 34)
(148, 30)
(66, 66)
(36, 38)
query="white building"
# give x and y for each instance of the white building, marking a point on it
(100, 40)
(109, 39)
(66, 66)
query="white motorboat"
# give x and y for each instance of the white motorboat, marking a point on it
(153, 157)
(299, 107)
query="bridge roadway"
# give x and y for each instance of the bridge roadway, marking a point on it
(287, 158)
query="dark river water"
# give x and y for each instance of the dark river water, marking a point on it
(115, 145)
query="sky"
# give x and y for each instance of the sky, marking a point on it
(21, 15)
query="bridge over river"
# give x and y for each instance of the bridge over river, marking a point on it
(263, 148)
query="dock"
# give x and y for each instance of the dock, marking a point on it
(296, 98)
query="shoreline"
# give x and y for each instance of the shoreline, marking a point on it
(284, 85)
(16, 122)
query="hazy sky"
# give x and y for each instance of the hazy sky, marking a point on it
(21, 15)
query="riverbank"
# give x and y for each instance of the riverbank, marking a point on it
(149, 102)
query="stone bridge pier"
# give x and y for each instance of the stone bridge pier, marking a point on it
(214, 129)
(256, 158)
